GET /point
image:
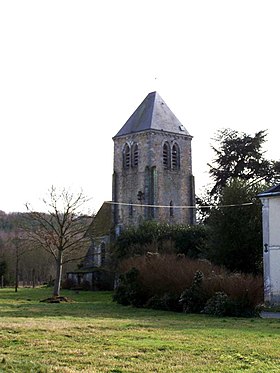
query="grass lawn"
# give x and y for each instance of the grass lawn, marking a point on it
(93, 334)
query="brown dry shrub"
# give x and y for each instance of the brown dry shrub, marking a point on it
(169, 273)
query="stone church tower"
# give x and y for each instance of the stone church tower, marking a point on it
(152, 167)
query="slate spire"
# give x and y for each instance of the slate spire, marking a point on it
(152, 114)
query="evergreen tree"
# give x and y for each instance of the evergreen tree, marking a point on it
(236, 228)
(240, 155)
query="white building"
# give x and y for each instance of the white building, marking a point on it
(271, 243)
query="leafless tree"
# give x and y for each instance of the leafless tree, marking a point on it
(17, 243)
(61, 230)
(20, 249)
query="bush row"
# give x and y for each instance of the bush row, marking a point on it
(180, 284)
(162, 237)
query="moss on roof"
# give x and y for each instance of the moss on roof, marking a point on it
(102, 223)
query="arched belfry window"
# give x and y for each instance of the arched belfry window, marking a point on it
(135, 155)
(175, 159)
(126, 156)
(166, 156)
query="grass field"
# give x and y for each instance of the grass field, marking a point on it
(93, 334)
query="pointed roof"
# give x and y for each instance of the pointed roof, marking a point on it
(102, 224)
(152, 114)
(271, 192)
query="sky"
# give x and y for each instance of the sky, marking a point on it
(72, 73)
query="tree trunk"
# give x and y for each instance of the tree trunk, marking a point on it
(17, 269)
(33, 278)
(57, 283)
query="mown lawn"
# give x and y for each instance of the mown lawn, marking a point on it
(93, 334)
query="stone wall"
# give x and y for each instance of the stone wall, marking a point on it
(159, 186)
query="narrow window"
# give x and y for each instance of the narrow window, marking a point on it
(130, 209)
(126, 156)
(166, 156)
(135, 155)
(171, 210)
(103, 253)
(175, 157)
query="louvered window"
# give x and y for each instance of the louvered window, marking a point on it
(175, 157)
(135, 155)
(166, 156)
(126, 156)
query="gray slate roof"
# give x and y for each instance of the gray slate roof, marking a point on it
(152, 114)
(271, 192)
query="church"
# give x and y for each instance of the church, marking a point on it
(152, 180)
(152, 167)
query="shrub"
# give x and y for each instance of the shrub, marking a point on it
(191, 240)
(217, 305)
(193, 299)
(71, 284)
(221, 305)
(166, 302)
(130, 290)
(67, 284)
(162, 279)
(241, 307)
(167, 273)
(177, 238)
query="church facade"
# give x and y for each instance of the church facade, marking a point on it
(152, 177)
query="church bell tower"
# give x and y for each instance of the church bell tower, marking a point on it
(152, 177)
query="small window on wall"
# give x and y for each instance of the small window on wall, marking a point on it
(103, 253)
(175, 157)
(135, 155)
(126, 156)
(130, 211)
(166, 156)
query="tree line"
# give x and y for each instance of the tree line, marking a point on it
(39, 247)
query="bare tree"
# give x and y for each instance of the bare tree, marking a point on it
(17, 242)
(19, 250)
(61, 230)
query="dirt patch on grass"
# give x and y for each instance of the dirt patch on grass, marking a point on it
(57, 300)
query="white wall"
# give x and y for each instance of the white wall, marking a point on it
(271, 240)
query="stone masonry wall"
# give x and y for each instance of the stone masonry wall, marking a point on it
(161, 188)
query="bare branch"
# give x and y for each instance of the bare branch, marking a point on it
(62, 230)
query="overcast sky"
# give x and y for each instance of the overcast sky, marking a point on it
(72, 72)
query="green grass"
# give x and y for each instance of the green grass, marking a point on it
(93, 334)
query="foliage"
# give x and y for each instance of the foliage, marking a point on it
(239, 171)
(3, 267)
(160, 281)
(217, 305)
(34, 266)
(178, 238)
(191, 240)
(222, 305)
(193, 299)
(130, 290)
(166, 302)
(235, 238)
(240, 155)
